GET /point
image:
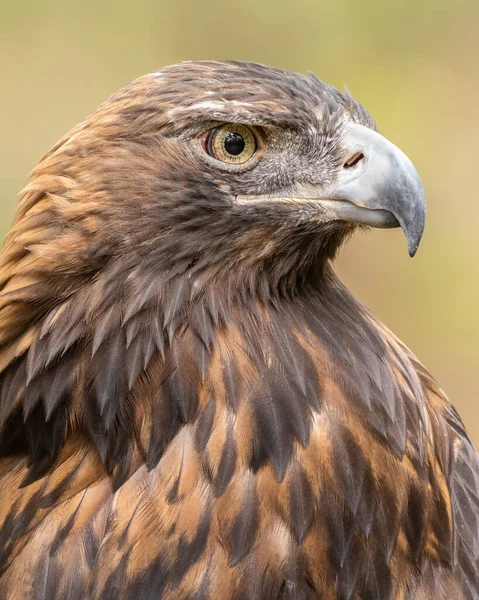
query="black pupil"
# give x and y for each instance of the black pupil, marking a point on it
(234, 143)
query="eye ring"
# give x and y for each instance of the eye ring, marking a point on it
(231, 143)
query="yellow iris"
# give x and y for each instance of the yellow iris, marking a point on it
(232, 143)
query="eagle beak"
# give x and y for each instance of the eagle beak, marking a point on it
(378, 186)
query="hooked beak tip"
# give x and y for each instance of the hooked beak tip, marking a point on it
(412, 219)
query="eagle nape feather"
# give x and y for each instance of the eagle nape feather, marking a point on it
(192, 406)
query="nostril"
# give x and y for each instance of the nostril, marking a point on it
(353, 161)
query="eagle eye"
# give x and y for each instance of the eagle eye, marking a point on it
(231, 143)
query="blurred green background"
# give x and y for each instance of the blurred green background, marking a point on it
(413, 63)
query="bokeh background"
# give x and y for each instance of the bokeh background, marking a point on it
(413, 63)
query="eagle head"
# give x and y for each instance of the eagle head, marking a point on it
(211, 167)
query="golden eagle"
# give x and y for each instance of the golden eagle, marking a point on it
(192, 406)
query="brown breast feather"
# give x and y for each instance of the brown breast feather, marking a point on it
(268, 453)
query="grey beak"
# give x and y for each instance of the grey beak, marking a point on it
(378, 186)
